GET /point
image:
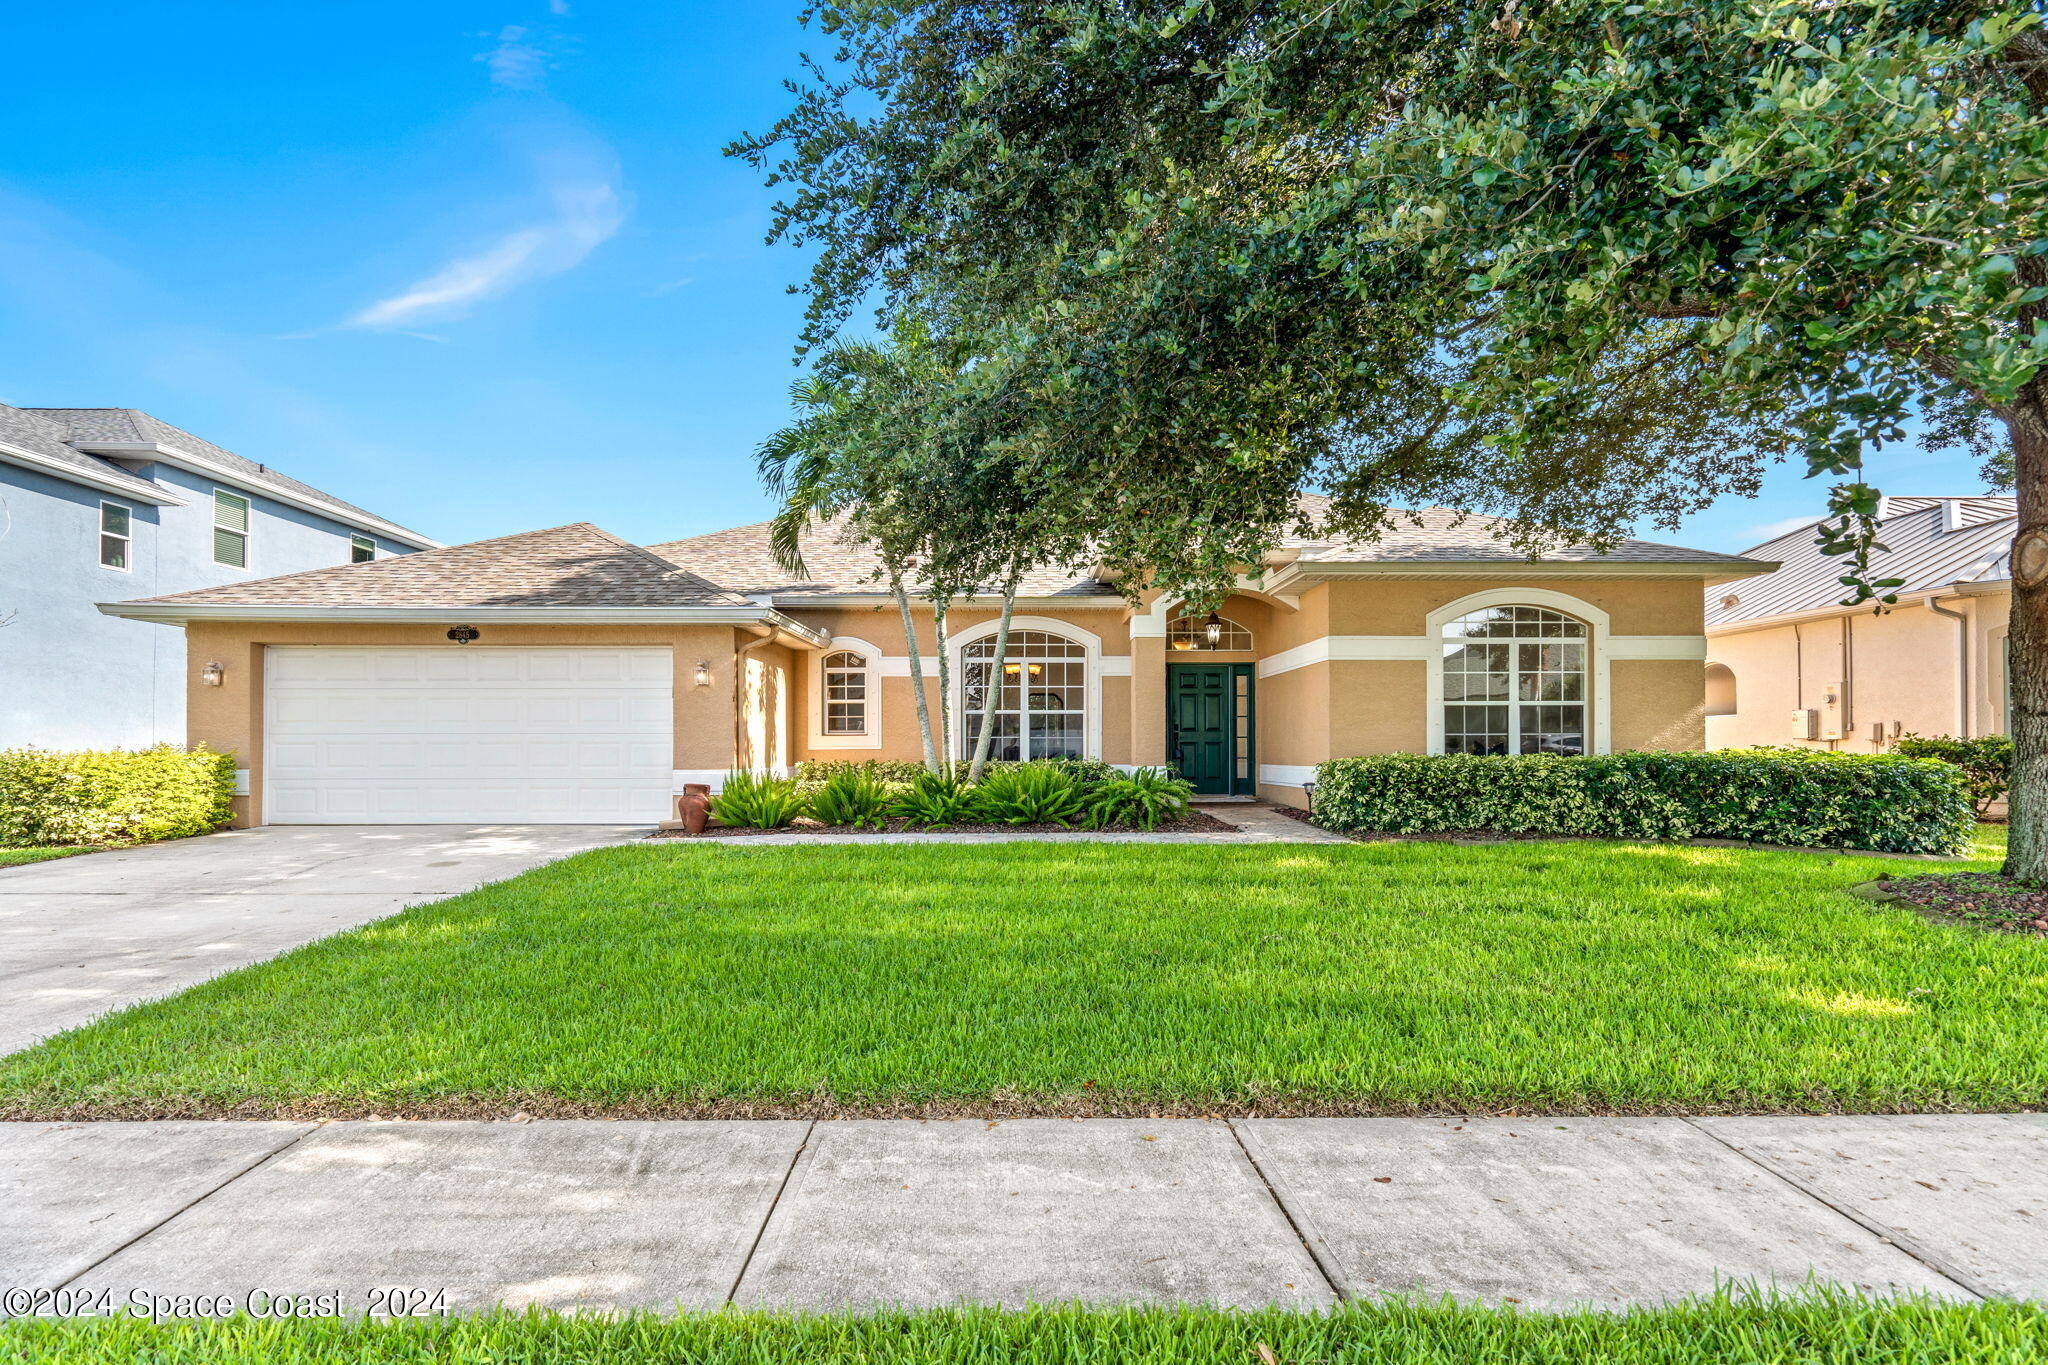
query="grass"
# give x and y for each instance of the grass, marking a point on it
(1077, 978)
(12, 857)
(1819, 1330)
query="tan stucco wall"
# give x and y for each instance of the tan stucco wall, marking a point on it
(230, 717)
(1305, 715)
(1903, 667)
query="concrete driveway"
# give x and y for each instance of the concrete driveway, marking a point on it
(81, 936)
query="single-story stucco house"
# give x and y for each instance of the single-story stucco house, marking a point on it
(1789, 664)
(566, 675)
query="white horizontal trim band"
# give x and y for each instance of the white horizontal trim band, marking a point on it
(898, 666)
(175, 612)
(1287, 774)
(128, 485)
(1656, 646)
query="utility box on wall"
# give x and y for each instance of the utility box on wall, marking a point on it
(1834, 715)
(1806, 724)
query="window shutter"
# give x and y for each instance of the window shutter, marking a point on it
(230, 513)
(230, 548)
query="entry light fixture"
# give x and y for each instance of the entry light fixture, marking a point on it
(462, 635)
(1212, 629)
(1012, 670)
(703, 673)
(213, 673)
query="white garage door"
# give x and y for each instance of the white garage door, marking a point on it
(467, 735)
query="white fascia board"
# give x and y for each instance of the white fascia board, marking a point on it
(1322, 571)
(255, 483)
(142, 490)
(822, 602)
(177, 612)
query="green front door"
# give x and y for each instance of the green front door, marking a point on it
(1209, 726)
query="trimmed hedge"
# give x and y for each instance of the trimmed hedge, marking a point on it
(1807, 798)
(1986, 761)
(112, 796)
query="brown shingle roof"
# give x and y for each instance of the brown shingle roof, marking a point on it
(1447, 535)
(567, 566)
(740, 558)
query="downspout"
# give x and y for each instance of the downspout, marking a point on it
(1962, 620)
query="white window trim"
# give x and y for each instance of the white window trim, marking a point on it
(371, 541)
(872, 654)
(248, 532)
(100, 533)
(1600, 716)
(1091, 645)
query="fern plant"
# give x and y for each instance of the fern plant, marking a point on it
(757, 801)
(934, 802)
(1027, 795)
(1143, 798)
(854, 798)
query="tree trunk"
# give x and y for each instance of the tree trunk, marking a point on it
(2027, 801)
(924, 713)
(992, 683)
(939, 606)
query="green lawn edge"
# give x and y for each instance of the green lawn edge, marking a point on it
(19, 857)
(1828, 1326)
(1073, 979)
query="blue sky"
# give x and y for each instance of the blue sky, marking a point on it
(476, 267)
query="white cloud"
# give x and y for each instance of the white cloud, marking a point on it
(558, 6)
(1771, 530)
(586, 215)
(515, 62)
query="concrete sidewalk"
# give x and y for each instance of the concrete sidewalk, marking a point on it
(1298, 1212)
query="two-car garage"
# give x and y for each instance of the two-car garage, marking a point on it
(467, 734)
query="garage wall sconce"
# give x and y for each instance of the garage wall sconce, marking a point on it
(703, 673)
(213, 673)
(462, 635)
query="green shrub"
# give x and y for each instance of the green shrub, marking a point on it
(1028, 794)
(934, 802)
(1806, 798)
(890, 770)
(851, 798)
(1143, 798)
(1986, 761)
(113, 796)
(757, 801)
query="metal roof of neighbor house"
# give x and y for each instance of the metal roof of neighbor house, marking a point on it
(1931, 543)
(130, 426)
(741, 557)
(565, 566)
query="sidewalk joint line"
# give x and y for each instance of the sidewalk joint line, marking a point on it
(1308, 1244)
(773, 1204)
(195, 1201)
(1890, 1236)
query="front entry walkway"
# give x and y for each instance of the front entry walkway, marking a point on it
(81, 936)
(1542, 1212)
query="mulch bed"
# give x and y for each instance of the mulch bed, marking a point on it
(1980, 900)
(1195, 823)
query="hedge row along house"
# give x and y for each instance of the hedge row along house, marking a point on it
(566, 675)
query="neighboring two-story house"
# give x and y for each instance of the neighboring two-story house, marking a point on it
(100, 504)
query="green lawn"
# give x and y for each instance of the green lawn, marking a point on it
(1056, 977)
(1829, 1330)
(10, 857)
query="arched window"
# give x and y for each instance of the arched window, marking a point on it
(846, 693)
(1515, 682)
(1720, 690)
(1192, 632)
(1041, 703)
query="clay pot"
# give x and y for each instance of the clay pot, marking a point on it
(693, 807)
